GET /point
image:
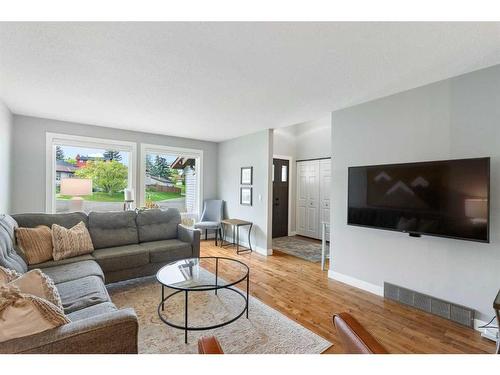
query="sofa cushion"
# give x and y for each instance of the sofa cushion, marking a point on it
(155, 225)
(111, 229)
(91, 311)
(53, 263)
(72, 271)
(121, 257)
(81, 293)
(66, 220)
(9, 258)
(167, 250)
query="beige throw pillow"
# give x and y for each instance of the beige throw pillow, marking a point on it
(24, 314)
(72, 242)
(7, 275)
(38, 284)
(35, 243)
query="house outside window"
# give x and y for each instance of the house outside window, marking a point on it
(109, 164)
(171, 179)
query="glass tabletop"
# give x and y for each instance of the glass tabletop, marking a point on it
(199, 273)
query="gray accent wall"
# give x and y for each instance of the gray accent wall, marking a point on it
(455, 118)
(29, 143)
(254, 150)
(5, 158)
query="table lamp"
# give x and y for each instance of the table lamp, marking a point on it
(76, 188)
(129, 199)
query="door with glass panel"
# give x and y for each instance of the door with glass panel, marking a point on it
(280, 197)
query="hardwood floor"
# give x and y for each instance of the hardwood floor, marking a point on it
(301, 291)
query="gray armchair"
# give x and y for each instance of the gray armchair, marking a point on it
(211, 217)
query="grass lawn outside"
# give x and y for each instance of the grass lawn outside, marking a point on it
(118, 197)
(156, 196)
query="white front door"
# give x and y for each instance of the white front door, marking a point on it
(308, 198)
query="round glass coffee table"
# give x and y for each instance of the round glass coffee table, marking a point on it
(193, 275)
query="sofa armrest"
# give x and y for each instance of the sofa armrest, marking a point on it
(109, 333)
(192, 236)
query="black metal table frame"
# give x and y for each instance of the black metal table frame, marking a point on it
(237, 242)
(203, 288)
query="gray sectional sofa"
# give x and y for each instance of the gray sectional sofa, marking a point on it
(127, 245)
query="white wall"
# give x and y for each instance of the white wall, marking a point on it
(313, 138)
(254, 150)
(29, 156)
(5, 158)
(307, 140)
(455, 118)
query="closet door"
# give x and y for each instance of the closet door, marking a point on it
(312, 218)
(300, 221)
(325, 178)
(307, 223)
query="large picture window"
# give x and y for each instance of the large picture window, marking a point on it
(88, 174)
(171, 178)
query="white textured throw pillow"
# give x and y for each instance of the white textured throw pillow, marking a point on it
(24, 314)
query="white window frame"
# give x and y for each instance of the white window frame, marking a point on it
(59, 139)
(174, 151)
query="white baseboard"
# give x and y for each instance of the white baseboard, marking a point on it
(364, 285)
(292, 233)
(262, 251)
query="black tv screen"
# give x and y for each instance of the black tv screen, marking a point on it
(448, 198)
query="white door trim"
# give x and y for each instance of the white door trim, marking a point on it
(178, 151)
(290, 179)
(54, 139)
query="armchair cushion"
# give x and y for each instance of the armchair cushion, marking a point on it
(207, 225)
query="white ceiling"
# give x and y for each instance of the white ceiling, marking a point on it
(217, 81)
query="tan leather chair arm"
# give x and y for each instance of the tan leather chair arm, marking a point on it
(355, 339)
(209, 345)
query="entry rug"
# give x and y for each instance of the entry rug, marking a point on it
(267, 331)
(299, 247)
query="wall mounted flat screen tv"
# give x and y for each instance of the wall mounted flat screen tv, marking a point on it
(448, 198)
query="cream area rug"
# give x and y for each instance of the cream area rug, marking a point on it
(266, 330)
